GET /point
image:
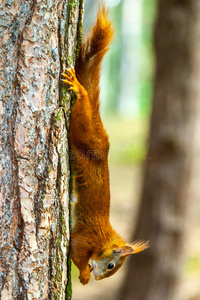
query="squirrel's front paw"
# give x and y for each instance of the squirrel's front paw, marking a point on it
(84, 277)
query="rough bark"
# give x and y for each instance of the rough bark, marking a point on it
(38, 40)
(162, 218)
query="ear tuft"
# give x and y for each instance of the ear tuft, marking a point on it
(139, 246)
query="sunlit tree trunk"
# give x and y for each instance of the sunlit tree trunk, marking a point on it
(167, 190)
(38, 40)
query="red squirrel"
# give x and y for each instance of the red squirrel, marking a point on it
(92, 237)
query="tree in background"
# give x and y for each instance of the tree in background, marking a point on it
(38, 40)
(170, 168)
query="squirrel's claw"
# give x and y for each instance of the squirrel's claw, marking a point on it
(71, 71)
(67, 82)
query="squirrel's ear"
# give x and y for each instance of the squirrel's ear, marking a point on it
(126, 250)
(129, 249)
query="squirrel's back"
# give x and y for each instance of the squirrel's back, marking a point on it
(92, 51)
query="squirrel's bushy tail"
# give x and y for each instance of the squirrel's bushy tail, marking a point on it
(91, 53)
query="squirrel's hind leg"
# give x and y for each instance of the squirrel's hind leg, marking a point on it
(86, 130)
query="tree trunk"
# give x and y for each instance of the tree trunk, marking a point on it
(38, 40)
(162, 219)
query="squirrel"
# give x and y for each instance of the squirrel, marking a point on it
(93, 237)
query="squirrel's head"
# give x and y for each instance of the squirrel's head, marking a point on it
(111, 260)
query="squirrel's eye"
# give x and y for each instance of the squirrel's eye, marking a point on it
(111, 266)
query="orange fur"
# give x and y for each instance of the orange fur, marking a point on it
(92, 236)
